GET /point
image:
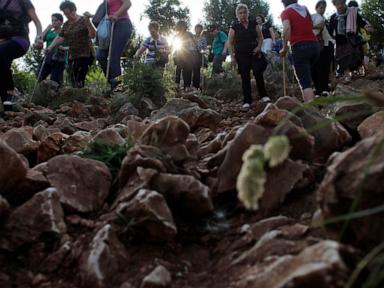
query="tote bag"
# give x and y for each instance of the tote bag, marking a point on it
(103, 33)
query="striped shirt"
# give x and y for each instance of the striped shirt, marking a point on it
(152, 45)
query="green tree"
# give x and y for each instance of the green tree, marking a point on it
(222, 12)
(167, 13)
(373, 10)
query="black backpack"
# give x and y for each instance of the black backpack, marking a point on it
(10, 24)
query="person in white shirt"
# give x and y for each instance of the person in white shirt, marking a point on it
(321, 69)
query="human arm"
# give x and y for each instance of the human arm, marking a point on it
(228, 47)
(122, 10)
(286, 37)
(363, 23)
(260, 40)
(32, 14)
(55, 43)
(272, 35)
(139, 52)
(91, 29)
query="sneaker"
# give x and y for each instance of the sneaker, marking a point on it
(7, 105)
(325, 94)
(265, 99)
(246, 106)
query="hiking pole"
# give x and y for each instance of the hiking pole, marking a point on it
(38, 79)
(284, 78)
(110, 51)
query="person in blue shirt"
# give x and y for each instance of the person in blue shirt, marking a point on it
(218, 45)
(156, 46)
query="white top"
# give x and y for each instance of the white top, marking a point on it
(316, 20)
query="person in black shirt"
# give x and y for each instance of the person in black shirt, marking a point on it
(348, 56)
(244, 44)
(14, 42)
(268, 34)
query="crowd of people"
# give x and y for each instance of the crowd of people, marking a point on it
(313, 43)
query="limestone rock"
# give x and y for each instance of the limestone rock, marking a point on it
(82, 184)
(158, 278)
(150, 211)
(372, 125)
(42, 215)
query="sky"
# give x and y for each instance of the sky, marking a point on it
(45, 8)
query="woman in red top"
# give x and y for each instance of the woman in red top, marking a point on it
(297, 29)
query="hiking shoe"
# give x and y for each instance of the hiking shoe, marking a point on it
(265, 99)
(246, 106)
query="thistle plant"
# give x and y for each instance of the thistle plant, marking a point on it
(252, 176)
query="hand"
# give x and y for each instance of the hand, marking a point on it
(369, 28)
(87, 15)
(283, 52)
(113, 18)
(39, 44)
(256, 50)
(233, 59)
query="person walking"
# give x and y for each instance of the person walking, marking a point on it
(344, 25)
(156, 46)
(244, 44)
(202, 45)
(297, 29)
(14, 42)
(218, 44)
(77, 32)
(186, 55)
(322, 67)
(117, 13)
(54, 63)
(268, 34)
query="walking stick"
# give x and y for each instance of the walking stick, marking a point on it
(110, 51)
(38, 79)
(201, 72)
(284, 78)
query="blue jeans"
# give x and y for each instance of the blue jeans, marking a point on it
(121, 34)
(305, 55)
(9, 50)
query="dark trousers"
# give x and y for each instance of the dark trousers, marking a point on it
(185, 68)
(78, 69)
(322, 69)
(121, 35)
(196, 71)
(53, 68)
(9, 50)
(246, 63)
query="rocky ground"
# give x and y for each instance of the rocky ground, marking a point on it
(169, 215)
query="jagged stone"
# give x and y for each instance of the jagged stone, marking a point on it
(151, 213)
(372, 125)
(188, 194)
(82, 184)
(357, 173)
(42, 215)
(13, 170)
(158, 278)
(101, 265)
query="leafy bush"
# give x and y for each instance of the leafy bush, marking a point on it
(24, 81)
(227, 88)
(49, 97)
(142, 80)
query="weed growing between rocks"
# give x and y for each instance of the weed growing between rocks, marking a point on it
(110, 154)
